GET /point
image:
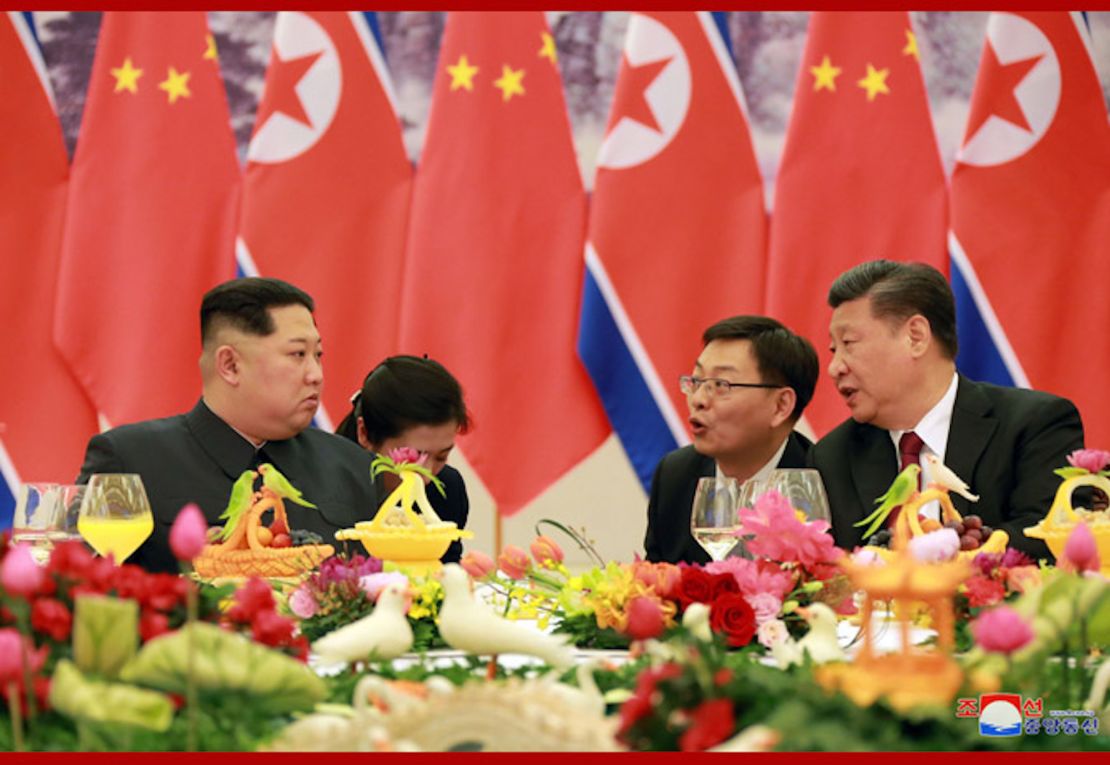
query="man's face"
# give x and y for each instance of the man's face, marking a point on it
(726, 426)
(280, 375)
(872, 363)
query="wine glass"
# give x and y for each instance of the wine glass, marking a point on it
(804, 489)
(115, 517)
(713, 521)
(41, 519)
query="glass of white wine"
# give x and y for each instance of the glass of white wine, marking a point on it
(713, 521)
(115, 516)
(804, 489)
(40, 520)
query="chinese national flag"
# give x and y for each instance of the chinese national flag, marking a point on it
(151, 219)
(678, 230)
(1031, 216)
(328, 187)
(861, 176)
(494, 264)
(45, 417)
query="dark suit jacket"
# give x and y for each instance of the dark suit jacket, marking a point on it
(1005, 442)
(195, 457)
(668, 535)
(455, 506)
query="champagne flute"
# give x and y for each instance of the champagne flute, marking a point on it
(115, 517)
(713, 521)
(40, 520)
(804, 489)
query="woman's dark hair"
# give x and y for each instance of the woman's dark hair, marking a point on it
(402, 392)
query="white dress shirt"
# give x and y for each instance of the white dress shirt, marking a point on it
(933, 430)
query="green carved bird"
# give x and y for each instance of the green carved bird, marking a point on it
(242, 496)
(899, 493)
(279, 484)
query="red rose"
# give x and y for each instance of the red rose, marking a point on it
(723, 584)
(984, 592)
(645, 618)
(272, 629)
(152, 624)
(642, 703)
(164, 591)
(70, 559)
(52, 618)
(696, 586)
(730, 614)
(130, 582)
(710, 724)
(252, 598)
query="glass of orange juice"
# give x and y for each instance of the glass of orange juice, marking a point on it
(115, 517)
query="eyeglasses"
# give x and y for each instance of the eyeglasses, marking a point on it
(717, 386)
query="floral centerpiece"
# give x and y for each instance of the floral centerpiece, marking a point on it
(1086, 468)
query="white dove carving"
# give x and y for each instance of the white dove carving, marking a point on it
(383, 634)
(943, 476)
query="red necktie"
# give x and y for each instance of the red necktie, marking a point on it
(909, 450)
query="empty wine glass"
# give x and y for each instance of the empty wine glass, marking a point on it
(713, 521)
(40, 520)
(804, 489)
(115, 517)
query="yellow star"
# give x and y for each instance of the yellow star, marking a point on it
(510, 82)
(127, 77)
(547, 50)
(210, 47)
(824, 76)
(176, 85)
(874, 82)
(911, 45)
(462, 74)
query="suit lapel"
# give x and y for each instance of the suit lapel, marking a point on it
(226, 448)
(873, 465)
(968, 435)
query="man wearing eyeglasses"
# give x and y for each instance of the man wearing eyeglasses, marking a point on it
(750, 385)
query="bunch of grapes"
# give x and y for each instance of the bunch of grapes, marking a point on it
(304, 537)
(972, 532)
(881, 538)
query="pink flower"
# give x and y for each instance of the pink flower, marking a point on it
(188, 533)
(19, 574)
(1091, 460)
(771, 633)
(766, 606)
(302, 604)
(1023, 578)
(513, 561)
(407, 455)
(1001, 630)
(546, 550)
(645, 618)
(373, 584)
(662, 578)
(755, 576)
(777, 533)
(477, 564)
(935, 546)
(1081, 551)
(12, 646)
(864, 557)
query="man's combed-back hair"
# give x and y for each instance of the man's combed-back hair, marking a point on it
(244, 305)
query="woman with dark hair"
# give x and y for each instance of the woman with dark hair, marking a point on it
(414, 402)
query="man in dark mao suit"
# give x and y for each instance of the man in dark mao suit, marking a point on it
(750, 385)
(893, 335)
(261, 381)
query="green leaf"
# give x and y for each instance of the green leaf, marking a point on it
(1070, 472)
(76, 696)
(226, 663)
(105, 634)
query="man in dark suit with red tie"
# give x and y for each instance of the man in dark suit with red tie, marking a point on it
(893, 338)
(750, 385)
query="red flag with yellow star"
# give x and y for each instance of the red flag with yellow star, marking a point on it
(494, 266)
(327, 190)
(45, 417)
(151, 219)
(861, 176)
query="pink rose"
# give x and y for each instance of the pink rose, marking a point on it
(1091, 460)
(766, 606)
(513, 561)
(188, 533)
(303, 604)
(19, 574)
(373, 584)
(1001, 630)
(1081, 550)
(935, 546)
(477, 564)
(546, 550)
(771, 633)
(645, 618)
(406, 454)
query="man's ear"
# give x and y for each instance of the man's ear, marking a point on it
(228, 364)
(785, 399)
(920, 335)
